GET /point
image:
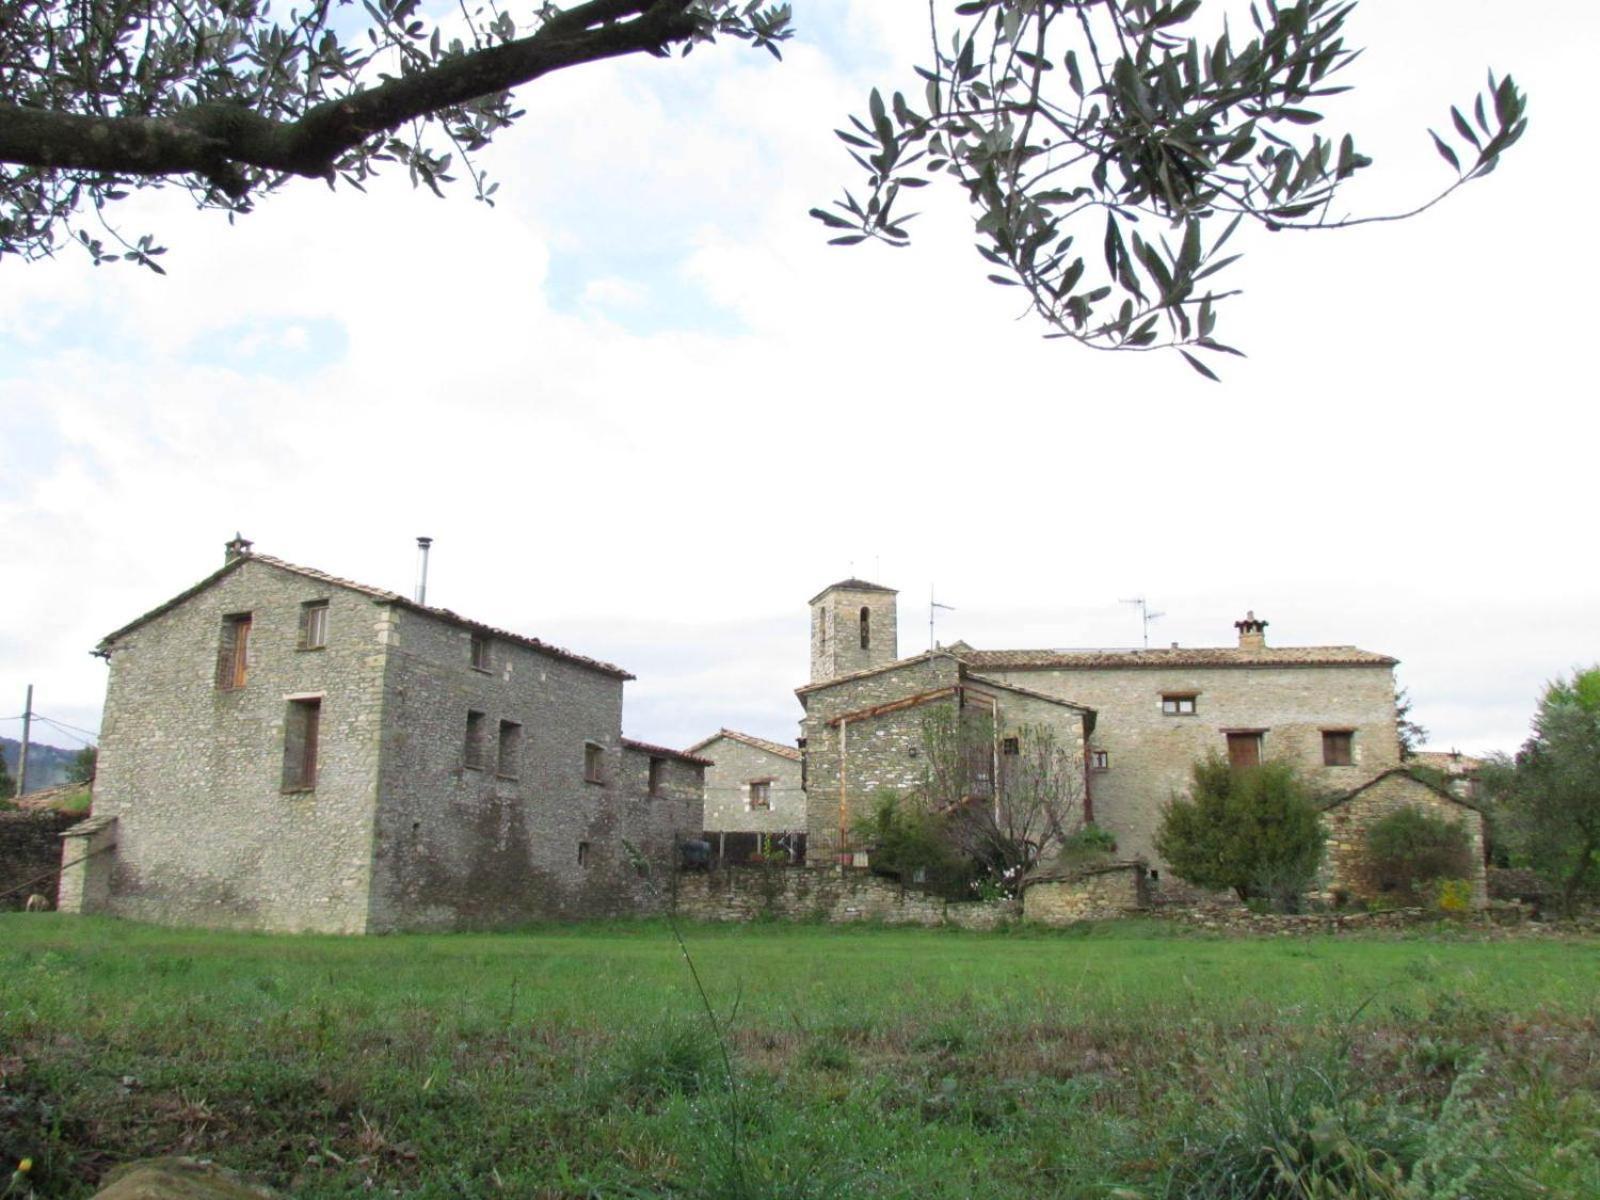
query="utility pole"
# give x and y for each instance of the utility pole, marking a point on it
(22, 757)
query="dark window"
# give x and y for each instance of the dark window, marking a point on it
(1100, 760)
(1338, 747)
(1244, 749)
(301, 726)
(760, 794)
(480, 652)
(1011, 746)
(866, 627)
(233, 654)
(583, 854)
(1178, 705)
(314, 625)
(475, 749)
(653, 780)
(509, 750)
(592, 752)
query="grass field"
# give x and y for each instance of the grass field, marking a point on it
(1113, 1061)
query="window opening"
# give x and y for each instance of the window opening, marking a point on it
(866, 627)
(1178, 705)
(1244, 749)
(480, 652)
(1338, 747)
(301, 728)
(509, 750)
(314, 625)
(760, 794)
(591, 761)
(474, 749)
(233, 655)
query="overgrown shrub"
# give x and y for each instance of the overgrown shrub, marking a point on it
(1252, 830)
(1409, 849)
(1453, 896)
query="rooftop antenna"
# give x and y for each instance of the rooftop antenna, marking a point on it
(933, 608)
(422, 568)
(1145, 616)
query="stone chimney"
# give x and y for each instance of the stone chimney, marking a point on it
(1252, 633)
(236, 549)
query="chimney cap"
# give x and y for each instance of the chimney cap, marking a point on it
(424, 542)
(239, 547)
(1250, 624)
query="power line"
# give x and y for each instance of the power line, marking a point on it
(94, 733)
(60, 728)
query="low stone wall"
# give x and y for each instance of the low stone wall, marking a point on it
(30, 846)
(830, 896)
(1094, 894)
(1505, 918)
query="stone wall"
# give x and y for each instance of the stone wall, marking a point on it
(1094, 894)
(834, 897)
(464, 846)
(1151, 753)
(728, 789)
(193, 773)
(30, 847)
(1346, 866)
(836, 647)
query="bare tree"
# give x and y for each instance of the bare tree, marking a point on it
(1007, 802)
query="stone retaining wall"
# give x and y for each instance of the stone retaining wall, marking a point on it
(30, 846)
(1096, 894)
(833, 897)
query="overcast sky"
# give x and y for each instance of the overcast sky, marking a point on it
(646, 413)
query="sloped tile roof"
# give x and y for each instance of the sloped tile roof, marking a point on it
(1200, 656)
(792, 753)
(666, 752)
(379, 595)
(852, 585)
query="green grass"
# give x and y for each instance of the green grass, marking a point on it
(1114, 1060)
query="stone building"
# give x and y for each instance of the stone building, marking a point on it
(753, 786)
(1141, 717)
(1350, 817)
(286, 750)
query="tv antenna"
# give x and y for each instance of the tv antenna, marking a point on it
(1145, 616)
(933, 609)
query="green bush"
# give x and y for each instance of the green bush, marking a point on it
(1252, 830)
(1409, 849)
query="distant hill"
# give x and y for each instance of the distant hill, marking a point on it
(47, 765)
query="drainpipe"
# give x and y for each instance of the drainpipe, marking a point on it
(844, 811)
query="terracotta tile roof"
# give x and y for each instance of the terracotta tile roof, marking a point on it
(666, 752)
(1200, 656)
(866, 671)
(381, 596)
(853, 585)
(1448, 761)
(792, 753)
(1022, 691)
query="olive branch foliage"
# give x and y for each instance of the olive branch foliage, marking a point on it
(1110, 149)
(231, 98)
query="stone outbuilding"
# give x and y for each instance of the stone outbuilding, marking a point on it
(283, 749)
(753, 787)
(1348, 819)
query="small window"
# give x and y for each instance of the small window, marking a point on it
(592, 752)
(509, 750)
(474, 751)
(1178, 704)
(1244, 749)
(233, 654)
(1100, 760)
(653, 780)
(583, 854)
(1011, 746)
(314, 625)
(866, 627)
(480, 652)
(301, 727)
(1338, 747)
(760, 794)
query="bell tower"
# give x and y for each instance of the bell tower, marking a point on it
(852, 629)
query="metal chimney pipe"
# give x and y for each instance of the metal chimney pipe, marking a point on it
(422, 568)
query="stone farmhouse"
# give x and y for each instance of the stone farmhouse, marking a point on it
(1138, 719)
(752, 787)
(286, 750)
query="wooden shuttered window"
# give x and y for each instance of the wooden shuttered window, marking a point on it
(314, 625)
(1338, 748)
(301, 735)
(233, 651)
(1244, 749)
